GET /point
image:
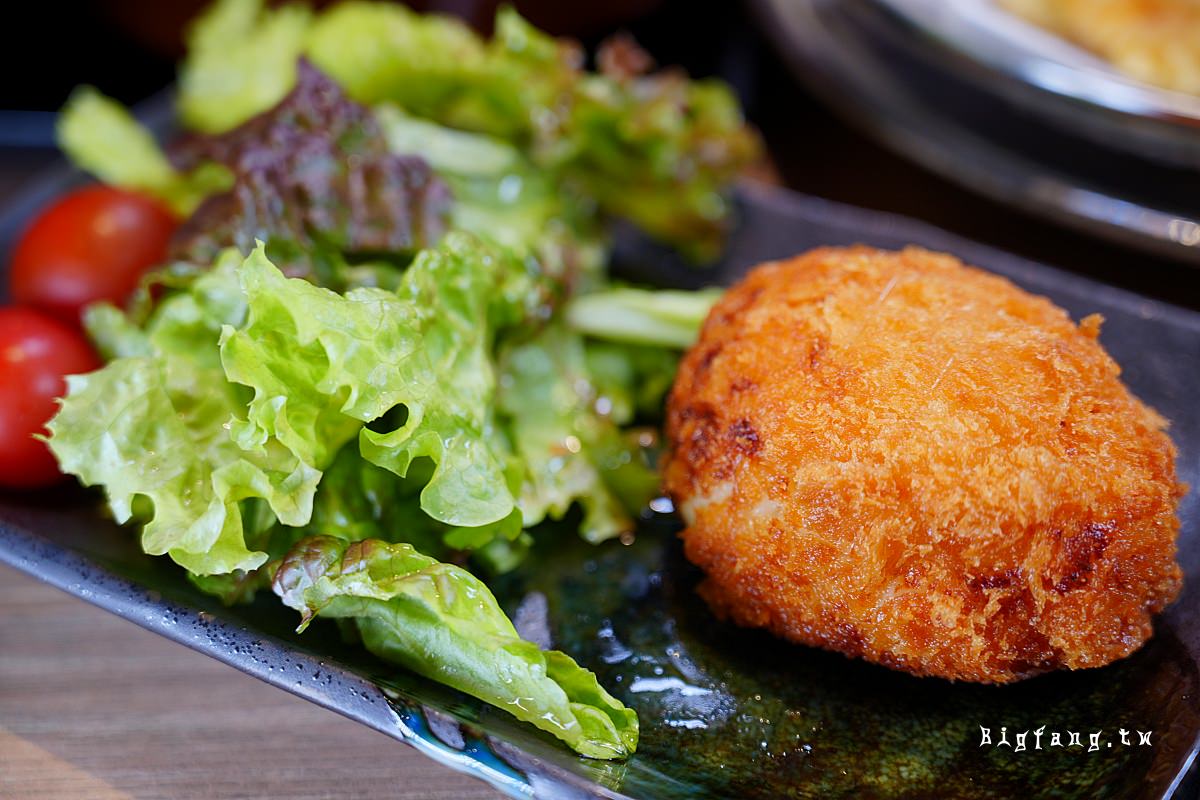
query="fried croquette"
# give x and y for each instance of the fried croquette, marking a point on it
(912, 461)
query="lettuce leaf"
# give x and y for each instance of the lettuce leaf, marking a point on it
(631, 380)
(150, 426)
(547, 399)
(101, 137)
(659, 317)
(442, 622)
(498, 193)
(217, 419)
(263, 379)
(433, 66)
(501, 196)
(416, 363)
(241, 61)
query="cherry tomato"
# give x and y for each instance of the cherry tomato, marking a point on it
(92, 244)
(36, 351)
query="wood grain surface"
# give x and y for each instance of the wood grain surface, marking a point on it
(94, 708)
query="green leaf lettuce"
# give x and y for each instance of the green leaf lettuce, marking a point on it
(442, 622)
(322, 365)
(241, 61)
(152, 427)
(653, 147)
(100, 136)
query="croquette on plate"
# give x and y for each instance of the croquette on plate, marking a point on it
(905, 459)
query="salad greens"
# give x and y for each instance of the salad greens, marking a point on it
(315, 178)
(442, 621)
(657, 148)
(349, 359)
(384, 346)
(102, 137)
(241, 61)
(639, 316)
(150, 427)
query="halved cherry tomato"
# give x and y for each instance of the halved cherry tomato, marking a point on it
(36, 351)
(92, 244)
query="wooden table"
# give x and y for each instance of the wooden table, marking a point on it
(94, 708)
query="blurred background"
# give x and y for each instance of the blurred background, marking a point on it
(846, 150)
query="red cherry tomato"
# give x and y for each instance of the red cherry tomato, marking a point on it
(92, 244)
(36, 351)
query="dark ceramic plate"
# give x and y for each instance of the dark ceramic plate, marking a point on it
(725, 712)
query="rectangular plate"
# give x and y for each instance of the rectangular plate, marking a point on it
(725, 712)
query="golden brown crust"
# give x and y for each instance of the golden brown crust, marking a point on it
(897, 457)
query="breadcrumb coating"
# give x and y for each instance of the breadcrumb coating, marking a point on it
(912, 461)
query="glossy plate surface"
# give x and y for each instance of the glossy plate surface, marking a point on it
(725, 712)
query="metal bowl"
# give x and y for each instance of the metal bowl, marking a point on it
(1006, 109)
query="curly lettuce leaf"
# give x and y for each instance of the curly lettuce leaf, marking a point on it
(101, 137)
(415, 363)
(355, 500)
(442, 622)
(263, 379)
(152, 425)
